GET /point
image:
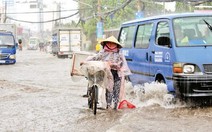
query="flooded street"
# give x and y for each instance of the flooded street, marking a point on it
(38, 94)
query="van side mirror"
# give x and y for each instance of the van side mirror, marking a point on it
(164, 41)
(16, 45)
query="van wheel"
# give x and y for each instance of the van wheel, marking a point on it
(160, 79)
(178, 93)
(59, 56)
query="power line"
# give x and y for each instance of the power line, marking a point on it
(43, 21)
(107, 13)
(46, 11)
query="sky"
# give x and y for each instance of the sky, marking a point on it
(65, 5)
(170, 6)
(51, 5)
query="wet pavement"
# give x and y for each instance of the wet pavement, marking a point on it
(38, 94)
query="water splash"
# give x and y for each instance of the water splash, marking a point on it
(153, 93)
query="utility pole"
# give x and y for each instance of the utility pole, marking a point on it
(139, 13)
(59, 14)
(99, 23)
(5, 13)
(40, 6)
(99, 26)
(53, 22)
(99, 10)
(139, 5)
(164, 8)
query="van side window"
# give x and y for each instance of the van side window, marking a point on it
(143, 35)
(162, 32)
(126, 36)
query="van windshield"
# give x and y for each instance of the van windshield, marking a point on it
(6, 40)
(32, 42)
(193, 31)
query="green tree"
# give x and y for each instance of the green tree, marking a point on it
(183, 7)
(113, 13)
(110, 13)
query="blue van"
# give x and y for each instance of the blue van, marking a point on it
(7, 48)
(174, 49)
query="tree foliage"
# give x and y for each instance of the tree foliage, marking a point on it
(111, 18)
(90, 15)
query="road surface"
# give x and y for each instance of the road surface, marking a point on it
(38, 94)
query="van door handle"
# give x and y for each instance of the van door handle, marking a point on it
(153, 52)
(147, 56)
(128, 59)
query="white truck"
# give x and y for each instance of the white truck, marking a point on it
(65, 41)
(9, 28)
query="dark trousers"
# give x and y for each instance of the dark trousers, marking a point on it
(114, 95)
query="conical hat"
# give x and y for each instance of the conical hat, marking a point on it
(111, 39)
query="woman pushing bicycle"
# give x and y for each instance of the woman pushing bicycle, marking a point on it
(118, 67)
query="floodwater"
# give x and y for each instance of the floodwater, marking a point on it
(38, 94)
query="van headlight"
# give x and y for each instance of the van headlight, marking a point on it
(188, 69)
(12, 56)
(183, 68)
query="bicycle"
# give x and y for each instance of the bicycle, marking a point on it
(93, 98)
(95, 72)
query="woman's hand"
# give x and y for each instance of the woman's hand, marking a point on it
(81, 63)
(109, 63)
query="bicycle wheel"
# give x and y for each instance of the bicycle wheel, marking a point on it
(90, 97)
(94, 98)
(90, 104)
